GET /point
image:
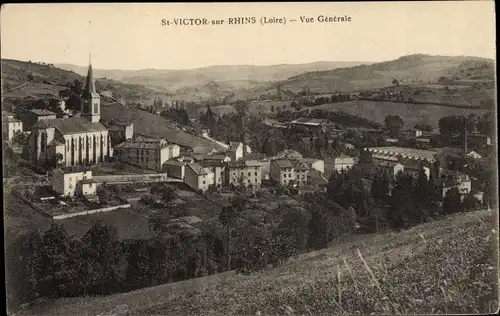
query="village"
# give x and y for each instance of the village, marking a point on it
(79, 153)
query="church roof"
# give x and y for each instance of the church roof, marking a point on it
(89, 90)
(72, 125)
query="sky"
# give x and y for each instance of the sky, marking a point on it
(130, 36)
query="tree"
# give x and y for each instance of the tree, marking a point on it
(74, 103)
(380, 187)
(20, 138)
(58, 159)
(393, 124)
(227, 218)
(452, 202)
(104, 195)
(470, 202)
(168, 195)
(100, 254)
(22, 259)
(57, 273)
(424, 127)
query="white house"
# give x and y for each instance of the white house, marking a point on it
(197, 177)
(474, 155)
(343, 162)
(71, 181)
(236, 150)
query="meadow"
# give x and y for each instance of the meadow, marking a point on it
(446, 266)
(410, 113)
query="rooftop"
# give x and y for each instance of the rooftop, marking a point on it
(174, 163)
(72, 125)
(283, 163)
(142, 142)
(411, 153)
(42, 112)
(197, 168)
(300, 165)
(309, 121)
(74, 169)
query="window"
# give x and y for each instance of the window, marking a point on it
(203, 181)
(249, 173)
(297, 176)
(255, 173)
(289, 175)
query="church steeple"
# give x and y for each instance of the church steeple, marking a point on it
(91, 103)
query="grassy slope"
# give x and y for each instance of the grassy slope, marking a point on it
(15, 73)
(153, 125)
(447, 266)
(410, 113)
(418, 67)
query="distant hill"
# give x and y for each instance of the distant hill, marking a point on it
(210, 82)
(418, 68)
(401, 270)
(48, 80)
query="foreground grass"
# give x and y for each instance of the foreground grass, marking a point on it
(448, 266)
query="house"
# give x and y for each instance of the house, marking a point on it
(301, 171)
(403, 153)
(247, 173)
(479, 139)
(120, 131)
(390, 140)
(78, 140)
(237, 150)
(146, 152)
(282, 171)
(218, 168)
(474, 155)
(415, 132)
(309, 124)
(222, 158)
(390, 168)
(455, 179)
(34, 116)
(413, 167)
(174, 168)
(197, 177)
(10, 126)
(343, 162)
(199, 152)
(349, 146)
(71, 181)
(288, 154)
(316, 164)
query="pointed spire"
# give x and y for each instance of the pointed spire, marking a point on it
(89, 81)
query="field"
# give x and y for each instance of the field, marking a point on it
(447, 266)
(410, 113)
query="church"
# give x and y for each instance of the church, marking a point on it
(78, 140)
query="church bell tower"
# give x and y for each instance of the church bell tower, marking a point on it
(91, 100)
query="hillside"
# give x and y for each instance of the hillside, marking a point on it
(210, 82)
(417, 68)
(410, 113)
(152, 125)
(447, 266)
(49, 80)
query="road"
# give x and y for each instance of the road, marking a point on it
(205, 135)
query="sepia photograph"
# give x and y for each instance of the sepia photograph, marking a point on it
(250, 158)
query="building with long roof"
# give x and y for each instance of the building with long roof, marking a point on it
(79, 140)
